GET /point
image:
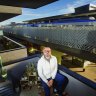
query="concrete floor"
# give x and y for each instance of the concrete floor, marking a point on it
(35, 91)
(90, 72)
(30, 92)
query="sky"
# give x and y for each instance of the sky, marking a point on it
(55, 8)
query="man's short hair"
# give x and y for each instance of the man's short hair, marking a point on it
(46, 47)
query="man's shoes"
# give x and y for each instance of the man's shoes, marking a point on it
(65, 94)
(55, 91)
(56, 94)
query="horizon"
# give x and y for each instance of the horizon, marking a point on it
(56, 8)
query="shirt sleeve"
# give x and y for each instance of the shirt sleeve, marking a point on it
(40, 72)
(55, 70)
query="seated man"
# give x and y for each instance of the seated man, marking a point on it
(47, 71)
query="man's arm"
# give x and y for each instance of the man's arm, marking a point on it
(40, 72)
(55, 70)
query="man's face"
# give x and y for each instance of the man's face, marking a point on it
(47, 52)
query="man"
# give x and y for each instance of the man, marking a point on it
(47, 70)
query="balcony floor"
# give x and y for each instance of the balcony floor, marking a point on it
(34, 91)
(30, 92)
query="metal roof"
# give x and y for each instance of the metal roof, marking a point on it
(63, 16)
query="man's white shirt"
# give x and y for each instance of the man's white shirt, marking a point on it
(47, 69)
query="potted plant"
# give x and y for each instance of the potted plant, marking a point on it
(3, 72)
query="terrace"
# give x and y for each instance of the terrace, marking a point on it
(6, 44)
(11, 50)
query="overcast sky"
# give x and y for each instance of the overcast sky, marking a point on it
(56, 8)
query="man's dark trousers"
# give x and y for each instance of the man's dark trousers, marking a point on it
(60, 83)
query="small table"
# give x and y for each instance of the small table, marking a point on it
(24, 83)
(28, 81)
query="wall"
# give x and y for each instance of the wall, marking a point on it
(58, 55)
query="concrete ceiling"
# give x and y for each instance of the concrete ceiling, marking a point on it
(7, 12)
(11, 8)
(26, 3)
(5, 16)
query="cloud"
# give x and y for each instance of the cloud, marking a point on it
(36, 14)
(83, 2)
(28, 12)
(32, 14)
(94, 2)
(69, 8)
